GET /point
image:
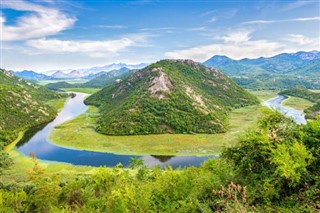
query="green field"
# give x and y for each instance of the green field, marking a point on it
(79, 133)
(84, 90)
(297, 103)
(264, 95)
(57, 104)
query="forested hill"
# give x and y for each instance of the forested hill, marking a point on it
(22, 105)
(170, 96)
(285, 70)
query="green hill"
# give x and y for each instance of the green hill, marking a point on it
(22, 105)
(170, 96)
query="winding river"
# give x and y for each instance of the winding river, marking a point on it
(275, 103)
(37, 141)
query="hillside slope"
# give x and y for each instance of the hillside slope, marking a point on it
(280, 71)
(170, 96)
(22, 105)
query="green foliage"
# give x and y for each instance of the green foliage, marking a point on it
(301, 92)
(273, 168)
(128, 108)
(22, 105)
(276, 161)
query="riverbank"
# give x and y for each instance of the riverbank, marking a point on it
(22, 164)
(79, 133)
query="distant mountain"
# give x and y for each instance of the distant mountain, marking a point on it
(280, 71)
(106, 68)
(92, 76)
(108, 78)
(75, 74)
(115, 66)
(59, 74)
(170, 96)
(22, 105)
(31, 75)
(98, 80)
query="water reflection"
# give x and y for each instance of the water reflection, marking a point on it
(37, 141)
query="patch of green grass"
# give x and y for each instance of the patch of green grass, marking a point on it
(264, 95)
(57, 104)
(297, 103)
(80, 133)
(84, 90)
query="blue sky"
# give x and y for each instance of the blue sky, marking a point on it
(60, 34)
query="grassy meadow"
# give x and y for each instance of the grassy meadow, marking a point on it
(80, 133)
(84, 90)
(297, 103)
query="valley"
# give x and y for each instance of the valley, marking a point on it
(150, 106)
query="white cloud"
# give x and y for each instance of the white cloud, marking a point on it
(317, 18)
(247, 49)
(303, 40)
(91, 48)
(237, 36)
(42, 21)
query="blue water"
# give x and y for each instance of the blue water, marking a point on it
(296, 115)
(39, 144)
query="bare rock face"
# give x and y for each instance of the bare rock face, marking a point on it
(198, 101)
(160, 84)
(6, 73)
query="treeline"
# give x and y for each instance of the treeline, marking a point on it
(301, 92)
(273, 168)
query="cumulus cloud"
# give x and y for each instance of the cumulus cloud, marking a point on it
(248, 49)
(40, 22)
(237, 36)
(92, 48)
(236, 45)
(303, 40)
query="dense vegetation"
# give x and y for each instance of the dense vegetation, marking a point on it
(301, 92)
(278, 72)
(170, 96)
(22, 105)
(273, 168)
(97, 82)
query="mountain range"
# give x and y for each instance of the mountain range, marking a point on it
(170, 96)
(97, 69)
(31, 75)
(280, 71)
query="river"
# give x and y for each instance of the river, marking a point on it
(296, 115)
(37, 141)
